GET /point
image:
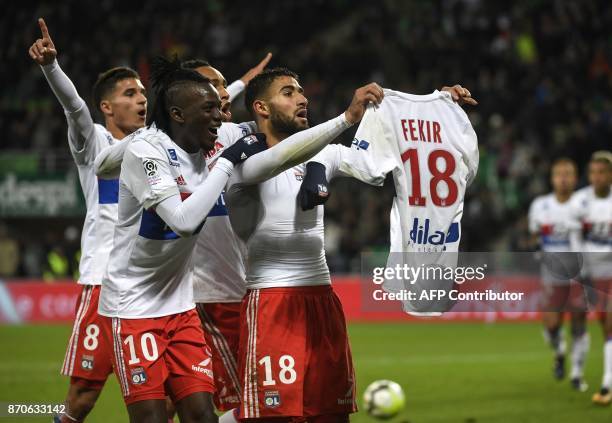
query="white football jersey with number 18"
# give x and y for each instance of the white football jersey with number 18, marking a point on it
(436, 151)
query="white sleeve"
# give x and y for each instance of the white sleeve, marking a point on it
(146, 173)
(531, 217)
(575, 225)
(108, 161)
(230, 132)
(292, 151)
(472, 155)
(184, 217)
(80, 124)
(369, 158)
(235, 88)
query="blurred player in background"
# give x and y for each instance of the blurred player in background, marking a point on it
(120, 97)
(592, 206)
(551, 222)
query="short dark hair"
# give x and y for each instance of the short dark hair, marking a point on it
(194, 63)
(107, 81)
(564, 160)
(258, 85)
(169, 78)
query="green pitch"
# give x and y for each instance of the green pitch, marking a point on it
(450, 372)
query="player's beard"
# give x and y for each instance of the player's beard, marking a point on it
(284, 124)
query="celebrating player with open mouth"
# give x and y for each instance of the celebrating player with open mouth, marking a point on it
(159, 345)
(120, 97)
(292, 323)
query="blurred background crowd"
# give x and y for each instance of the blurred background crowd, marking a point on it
(541, 70)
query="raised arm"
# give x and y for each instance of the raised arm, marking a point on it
(235, 88)
(107, 164)
(44, 53)
(303, 145)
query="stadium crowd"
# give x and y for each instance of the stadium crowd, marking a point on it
(541, 71)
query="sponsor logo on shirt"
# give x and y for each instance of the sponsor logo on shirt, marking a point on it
(201, 367)
(272, 399)
(360, 144)
(422, 234)
(180, 180)
(173, 159)
(213, 152)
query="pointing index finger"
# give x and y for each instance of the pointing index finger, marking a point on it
(43, 28)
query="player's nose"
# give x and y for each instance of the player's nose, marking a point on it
(302, 101)
(223, 94)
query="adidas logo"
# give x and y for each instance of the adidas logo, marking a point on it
(243, 156)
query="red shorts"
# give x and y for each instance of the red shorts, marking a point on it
(89, 358)
(564, 297)
(221, 323)
(160, 356)
(294, 357)
(602, 298)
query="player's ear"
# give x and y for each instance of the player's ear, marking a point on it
(176, 113)
(261, 108)
(106, 108)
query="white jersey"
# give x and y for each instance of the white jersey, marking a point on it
(595, 215)
(553, 222)
(219, 257)
(286, 244)
(436, 157)
(434, 152)
(150, 267)
(101, 197)
(86, 139)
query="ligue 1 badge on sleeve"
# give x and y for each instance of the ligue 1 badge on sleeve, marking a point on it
(272, 399)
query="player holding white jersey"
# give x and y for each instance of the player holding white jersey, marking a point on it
(119, 95)
(159, 345)
(593, 207)
(552, 223)
(294, 354)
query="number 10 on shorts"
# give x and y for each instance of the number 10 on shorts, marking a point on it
(286, 372)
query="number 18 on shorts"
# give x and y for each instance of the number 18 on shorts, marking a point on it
(296, 361)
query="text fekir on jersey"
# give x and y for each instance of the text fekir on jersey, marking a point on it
(421, 130)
